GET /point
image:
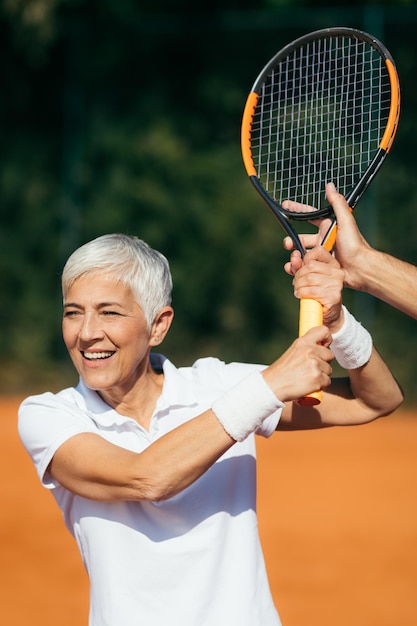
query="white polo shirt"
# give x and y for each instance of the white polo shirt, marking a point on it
(192, 560)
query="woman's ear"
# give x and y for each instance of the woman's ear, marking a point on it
(161, 325)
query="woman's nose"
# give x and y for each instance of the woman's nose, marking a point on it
(90, 327)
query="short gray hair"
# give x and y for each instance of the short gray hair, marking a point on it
(132, 262)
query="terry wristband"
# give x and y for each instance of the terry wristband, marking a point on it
(352, 344)
(242, 409)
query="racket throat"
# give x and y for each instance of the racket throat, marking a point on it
(282, 219)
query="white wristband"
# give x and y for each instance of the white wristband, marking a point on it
(352, 344)
(242, 409)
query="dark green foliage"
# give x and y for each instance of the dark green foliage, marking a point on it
(116, 116)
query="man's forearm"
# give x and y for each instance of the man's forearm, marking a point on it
(391, 280)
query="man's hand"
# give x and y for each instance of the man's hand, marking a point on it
(351, 248)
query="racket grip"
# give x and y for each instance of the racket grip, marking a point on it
(311, 315)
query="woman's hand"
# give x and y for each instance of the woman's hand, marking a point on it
(320, 278)
(303, 368)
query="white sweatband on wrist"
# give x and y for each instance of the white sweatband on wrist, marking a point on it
(352, 344)
(242, 409)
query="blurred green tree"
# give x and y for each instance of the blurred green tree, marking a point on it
(121, 116)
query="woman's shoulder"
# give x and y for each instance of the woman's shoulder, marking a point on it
(213, 368)
(67, 396)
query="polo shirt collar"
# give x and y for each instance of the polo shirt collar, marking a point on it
(176, 392)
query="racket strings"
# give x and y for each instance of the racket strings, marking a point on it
(320, 116)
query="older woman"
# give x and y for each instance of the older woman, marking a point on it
(153, 466)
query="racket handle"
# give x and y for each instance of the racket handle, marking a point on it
(311, 315)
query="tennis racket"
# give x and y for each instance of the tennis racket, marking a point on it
(324, 109)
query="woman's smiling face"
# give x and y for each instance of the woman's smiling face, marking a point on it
(106, 333)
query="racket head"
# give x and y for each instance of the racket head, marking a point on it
(324, 108)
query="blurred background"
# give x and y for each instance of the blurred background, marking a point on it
(123, 115)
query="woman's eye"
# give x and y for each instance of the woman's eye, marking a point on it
(109, 313)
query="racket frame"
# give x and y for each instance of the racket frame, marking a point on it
(311, 313)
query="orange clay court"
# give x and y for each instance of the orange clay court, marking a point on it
(337, 514)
